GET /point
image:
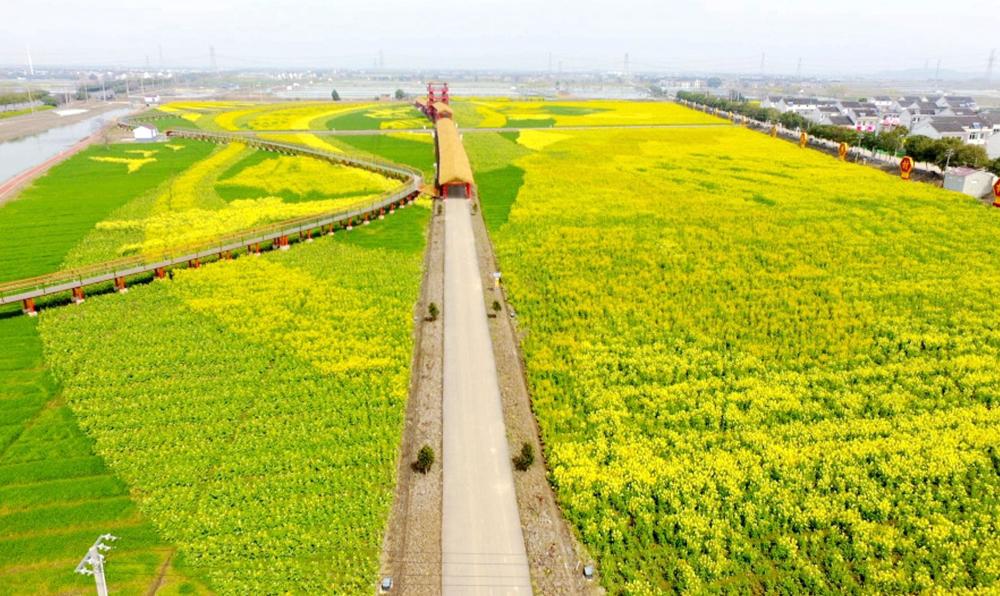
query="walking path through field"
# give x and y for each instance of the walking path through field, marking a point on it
(482, 546)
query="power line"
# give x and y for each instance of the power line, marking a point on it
(93, 563)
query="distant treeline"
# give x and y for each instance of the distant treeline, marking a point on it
(897, 141)
(14, 98)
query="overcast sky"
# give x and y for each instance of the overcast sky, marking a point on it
(833, 36)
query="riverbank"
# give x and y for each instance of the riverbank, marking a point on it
(28, 125)
(10, 187)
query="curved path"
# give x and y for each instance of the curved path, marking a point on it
(277, 235)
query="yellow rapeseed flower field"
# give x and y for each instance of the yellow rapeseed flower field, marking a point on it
(132, 164)
(305, 176)
(500, 113)
(755, 368)
(255, 407)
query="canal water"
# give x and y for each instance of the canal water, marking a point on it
(21, 154)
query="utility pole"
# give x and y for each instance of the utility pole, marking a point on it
(93, 563)
(31, 65)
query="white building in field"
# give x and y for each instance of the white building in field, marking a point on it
(145, 132)
(975, 183)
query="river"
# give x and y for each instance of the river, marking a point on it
(21, 154)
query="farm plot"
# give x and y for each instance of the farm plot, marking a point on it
(754, 367)
(505, 113)
(56, 494)
(50, 217)
(234, 189)
(224, 116)
(255, 406)
(380, 116)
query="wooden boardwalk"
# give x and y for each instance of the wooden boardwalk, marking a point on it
(26, 291)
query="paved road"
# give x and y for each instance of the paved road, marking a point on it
(482, 546)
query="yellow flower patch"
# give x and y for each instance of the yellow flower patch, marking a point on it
(133, 165)
(303, 176)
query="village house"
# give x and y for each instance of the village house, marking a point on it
(956, 101)
(993, 146)
(865, 119)
(974, 130)
(884, 103)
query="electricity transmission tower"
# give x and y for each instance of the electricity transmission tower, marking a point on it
(211, 59)
(989, 65)
(93, 563)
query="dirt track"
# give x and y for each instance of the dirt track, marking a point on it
(411, 552)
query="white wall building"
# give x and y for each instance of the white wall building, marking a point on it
(973, 130)
(975, 183)
(993, 146)
(145, 132)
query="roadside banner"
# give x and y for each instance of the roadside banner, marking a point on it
(905, 167)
